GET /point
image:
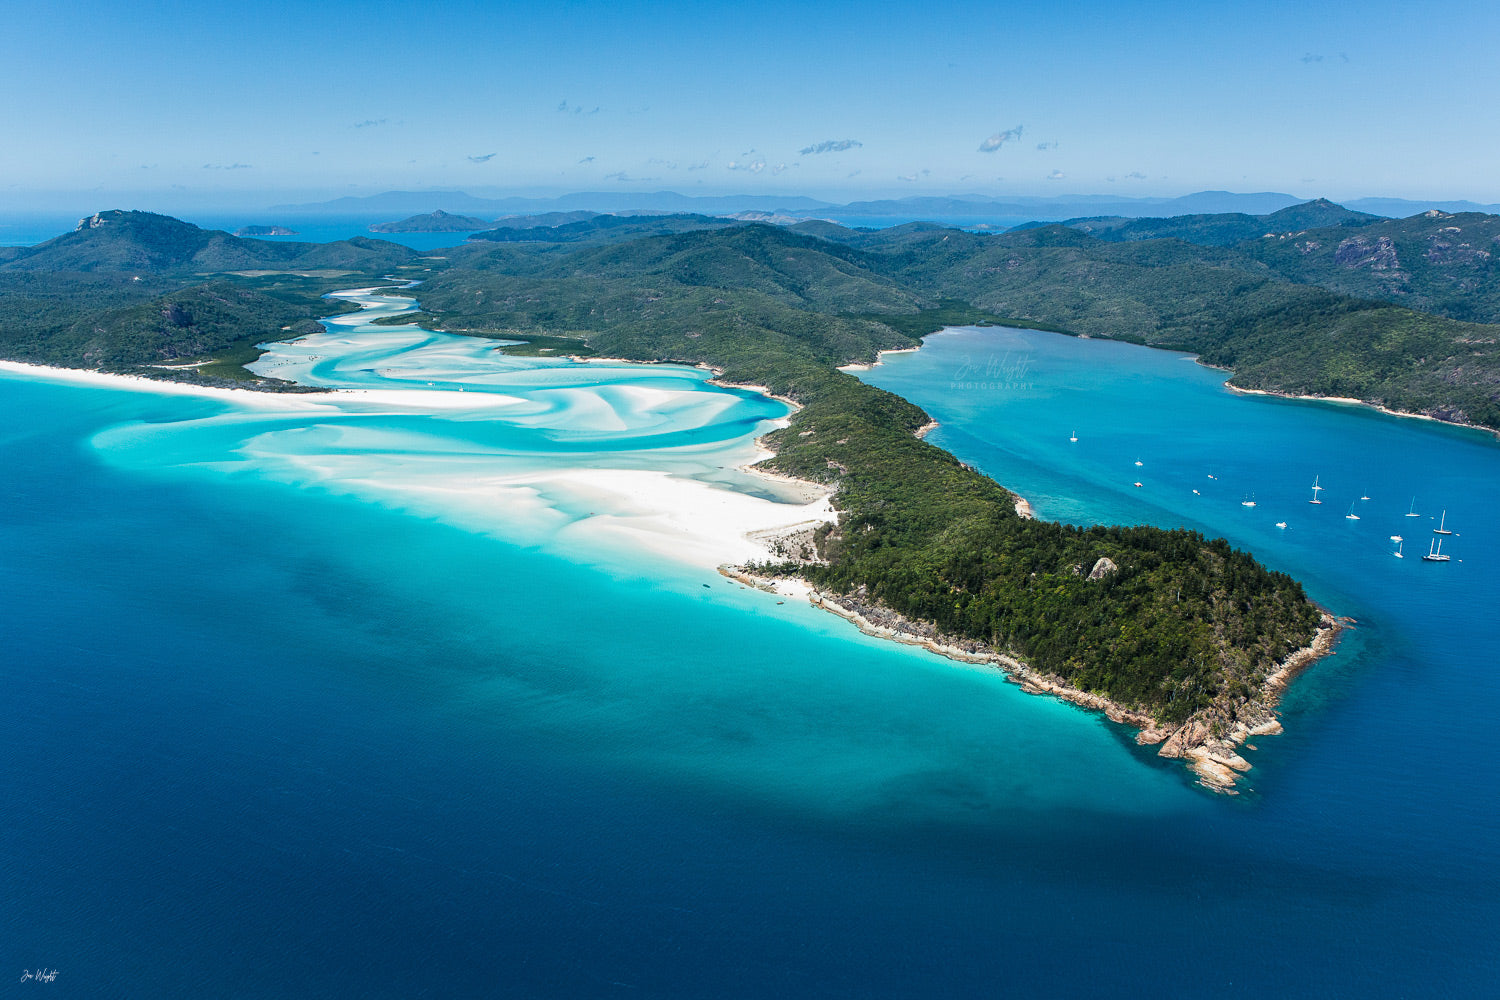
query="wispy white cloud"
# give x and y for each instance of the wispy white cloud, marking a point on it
(1135, 175)
(999, 139)
(370, 123)
(701, 165)
(226, 166)
(586, 159)
(565, 108)
(1312, 57)
(914, 176)
(482, 158)
(1056, 175)
(751, 166)
(1043, 147)
(830, 146)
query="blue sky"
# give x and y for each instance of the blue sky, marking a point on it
(840, 101)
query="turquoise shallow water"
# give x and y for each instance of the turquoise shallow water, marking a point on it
(280, 733)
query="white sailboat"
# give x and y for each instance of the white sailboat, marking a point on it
(1442, 528)
(1351, 515)
(1413, 511)
(1281, 524)
(1248, 503)
(1315, 489)
(1435, 552)
(1397, 553)
(1074, 437)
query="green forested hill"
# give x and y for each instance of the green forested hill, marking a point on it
(1219, 302)
(1435, 262)
(601, 229)
(133, 289)
(433, 222)
(1226, 229)
(142, 242)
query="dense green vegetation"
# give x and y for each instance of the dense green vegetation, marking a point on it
(1435, 262)
(131, 291)
(1233, 311)
(433, 222)
(595, 228)
(1224, 229)
(1185, 623)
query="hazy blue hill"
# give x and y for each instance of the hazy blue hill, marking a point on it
(392, 203)
(149, 243)
(1222, 229)
(1401, 208)
(265, 231)
(438, 221)
(1073, 206)
(824, 229)
(660, 202)
(604, 228)
(549, 219)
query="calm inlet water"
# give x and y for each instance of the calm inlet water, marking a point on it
(296, 709)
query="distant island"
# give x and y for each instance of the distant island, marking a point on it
(265, 231)
(1179, 635)
(433, 222)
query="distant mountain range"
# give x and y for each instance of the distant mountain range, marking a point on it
(956, 207)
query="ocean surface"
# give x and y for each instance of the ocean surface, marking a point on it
(297, 709)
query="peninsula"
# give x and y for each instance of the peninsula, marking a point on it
(1177, 634)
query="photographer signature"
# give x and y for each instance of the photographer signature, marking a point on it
(38, 975)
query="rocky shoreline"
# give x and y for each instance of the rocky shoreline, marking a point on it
(1455, 417)
(1207, 742)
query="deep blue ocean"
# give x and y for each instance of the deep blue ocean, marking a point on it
(286, 735)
